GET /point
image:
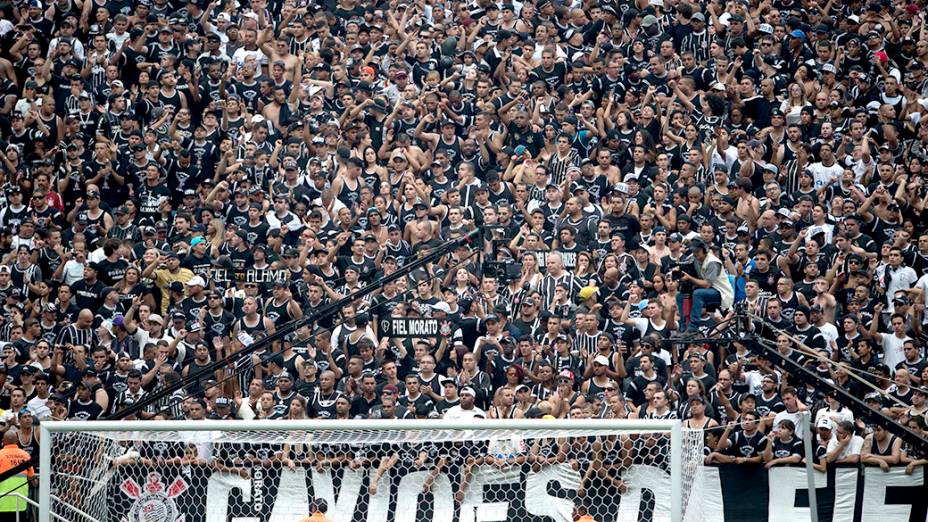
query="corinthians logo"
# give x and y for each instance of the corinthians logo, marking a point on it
(153, 502)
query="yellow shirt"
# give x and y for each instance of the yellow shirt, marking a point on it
(164, 278)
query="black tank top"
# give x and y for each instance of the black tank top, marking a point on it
(788, 306)
(653, 329)
(373, 181)
(290, 365)
(350, 196)
(453, 149)
(507, 415)
(278, 313)
(351, 347)
(594, 388)
(406, 216)
(174, 101)
(252, 330)
(875, 447)
(94, 222)
(12, 218)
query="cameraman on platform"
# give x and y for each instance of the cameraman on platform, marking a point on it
(710, 284)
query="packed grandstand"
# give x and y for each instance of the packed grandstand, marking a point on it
(659, 189)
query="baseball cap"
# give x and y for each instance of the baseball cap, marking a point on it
(601, 359)
(824, 422)
(588, 292)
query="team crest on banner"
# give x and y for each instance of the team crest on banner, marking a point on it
(445, 329)
(153, 502)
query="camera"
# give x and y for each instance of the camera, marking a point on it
(684, 265)
(504, 271)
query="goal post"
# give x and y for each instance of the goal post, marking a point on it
(374, 470)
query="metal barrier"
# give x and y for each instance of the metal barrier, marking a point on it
(33, 503)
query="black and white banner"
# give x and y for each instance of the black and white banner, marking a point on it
(724, 493)
(250, 275)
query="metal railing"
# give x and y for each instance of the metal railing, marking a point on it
(33, 503)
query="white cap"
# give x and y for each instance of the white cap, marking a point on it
(824, 422)
(601, 359)
(196, 281)
(719, 86)
(155, 318)
(257, 118)
(467, 390)
(442, 306)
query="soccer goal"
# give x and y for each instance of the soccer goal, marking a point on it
(376, 471)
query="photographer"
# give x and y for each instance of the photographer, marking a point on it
(711, 284)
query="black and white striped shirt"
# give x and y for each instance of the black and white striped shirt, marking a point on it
(698, 44)
(586, 343)
(557, 166)
(549, 282)
(74, 335)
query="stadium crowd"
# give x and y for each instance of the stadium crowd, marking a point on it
(179, 179)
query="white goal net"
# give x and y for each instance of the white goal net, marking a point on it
(431, 470)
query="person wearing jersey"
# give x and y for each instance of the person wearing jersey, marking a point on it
(740, 446)
(252, 323)
(881, 448)
(783, 446)
(281, 308)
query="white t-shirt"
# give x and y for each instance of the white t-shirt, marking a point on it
(901, 278)
(830, 333)
(822, 175)
(922, 283)
(73, 272)
(457, 412)
(843, 414)
(893, 353)
(796, 417)
(852, 448)
(241, 54)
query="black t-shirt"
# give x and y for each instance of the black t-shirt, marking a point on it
(87, 295)
(767, 281)
(84, 411)
(111, 272)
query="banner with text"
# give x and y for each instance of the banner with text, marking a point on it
(195, 493)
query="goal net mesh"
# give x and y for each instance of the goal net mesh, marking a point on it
(375, 475)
